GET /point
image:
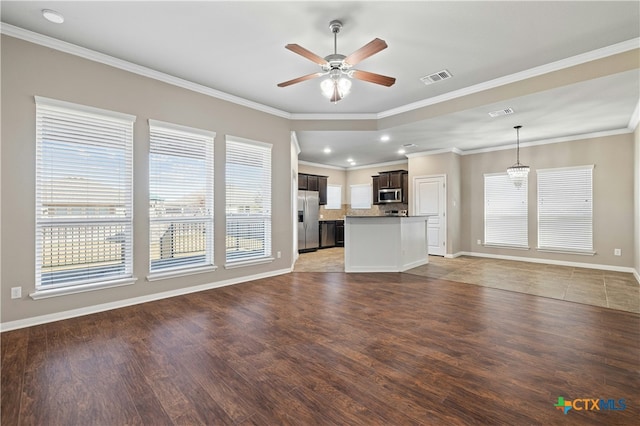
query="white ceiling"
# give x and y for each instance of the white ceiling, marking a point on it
(238, 48)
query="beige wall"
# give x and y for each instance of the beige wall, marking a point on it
(613, 206)
(636, 198)
(447, 164)
(28, 70)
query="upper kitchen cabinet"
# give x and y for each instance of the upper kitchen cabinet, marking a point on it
(322, 189)
(391, 179)
(318, 183)
(405, 188)
(375, 185)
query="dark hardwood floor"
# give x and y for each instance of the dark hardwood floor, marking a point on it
(327, 348)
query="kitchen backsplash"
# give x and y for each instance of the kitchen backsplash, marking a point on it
(346, 210)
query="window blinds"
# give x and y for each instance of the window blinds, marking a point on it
(248, 204)
(361, 196)
(565, 205)
(505, 212)
(83, 195)
(334, 197)
(180, 197)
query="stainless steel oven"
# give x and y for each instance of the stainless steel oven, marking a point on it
(390, 195)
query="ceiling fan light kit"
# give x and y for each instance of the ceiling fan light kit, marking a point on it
(338, 67)
(518, 172)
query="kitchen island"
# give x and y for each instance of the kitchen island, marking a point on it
(384, 243)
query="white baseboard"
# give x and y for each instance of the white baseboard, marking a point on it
(454, 255)
(637, 275)
(551, 262)
(43, 319)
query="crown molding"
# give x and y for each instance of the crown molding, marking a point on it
(435, 152)
(321, 166)
(319, 116)
(522, 144)
(519, 76)
(388, 163)
(73, 49)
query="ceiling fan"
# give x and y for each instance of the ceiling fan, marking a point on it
(339, 67)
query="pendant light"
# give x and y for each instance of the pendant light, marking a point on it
(518, 172)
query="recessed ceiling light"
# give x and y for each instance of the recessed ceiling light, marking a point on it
(401, 151)
(350, 160)
(52, 16)
(384, 138)
(327, 150)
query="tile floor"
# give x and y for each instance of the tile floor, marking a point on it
(615, 290)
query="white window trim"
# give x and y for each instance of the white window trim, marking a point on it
(558, 250)
(85, 109)
(80, 288)
(258, 260)
(358, 187)
(500, 245)
(182, 271)
(101, 113)
(331, 207)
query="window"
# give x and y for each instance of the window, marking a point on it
(248, 209)
(334, 197)
(565, 204)
(361, 196)
(83, 197)
(505, 212)
(180, 197)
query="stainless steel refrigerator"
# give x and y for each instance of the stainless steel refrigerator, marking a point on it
(308, 212)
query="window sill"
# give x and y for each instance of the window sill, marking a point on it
(566, 251)
(63, 291)
(243, 263)
(499, 246)
(180, 273)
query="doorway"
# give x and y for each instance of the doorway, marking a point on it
(430, 200)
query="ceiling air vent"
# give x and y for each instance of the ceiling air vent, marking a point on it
(501, 112)
(436, 77)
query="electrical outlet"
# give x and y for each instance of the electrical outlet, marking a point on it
(16, 292)
(279, 254)
(479, 242)
(617, 252)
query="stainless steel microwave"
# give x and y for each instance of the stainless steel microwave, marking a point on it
(390, 195)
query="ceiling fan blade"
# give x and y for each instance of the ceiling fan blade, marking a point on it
(296, 48)
(373, 77)
(299, 79)
(371, 48)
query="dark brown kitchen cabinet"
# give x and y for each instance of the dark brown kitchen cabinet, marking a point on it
(303, 181)
(322, 190)
(375, 185)
(405, 188)
(312, 183)
(340, 233)
(391, 179)
(318, 183)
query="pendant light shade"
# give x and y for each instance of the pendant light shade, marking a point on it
(518, 172)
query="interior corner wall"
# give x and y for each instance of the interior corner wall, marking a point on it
(613, 195)
(29, 70)
(448, 164)
(636, 234)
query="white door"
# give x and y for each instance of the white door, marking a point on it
(430, 200)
